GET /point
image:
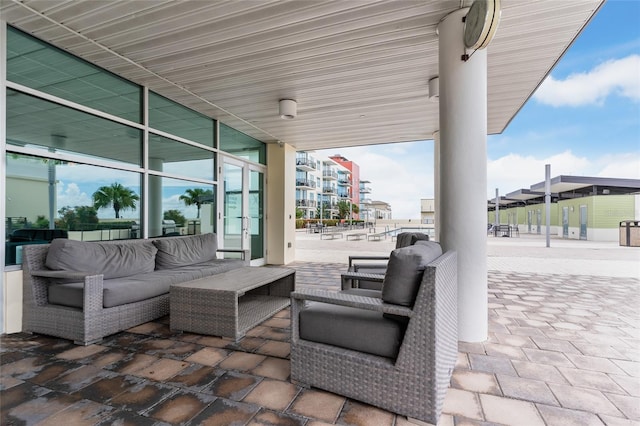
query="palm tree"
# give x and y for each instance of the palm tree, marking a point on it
(196, 197)
(345, 208)
(116, 196)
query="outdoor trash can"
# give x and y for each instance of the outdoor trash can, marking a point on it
(630, 233)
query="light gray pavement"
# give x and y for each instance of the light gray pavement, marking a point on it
(526, 253)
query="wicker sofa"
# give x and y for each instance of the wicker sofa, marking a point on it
(84, 291)
(395, 350)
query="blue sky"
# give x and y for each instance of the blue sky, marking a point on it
(583, 120)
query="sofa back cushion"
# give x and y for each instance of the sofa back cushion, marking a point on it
(174, 252)
(405, 270)
(111, 259)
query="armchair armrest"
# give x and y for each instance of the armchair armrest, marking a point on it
(349, 277)
(244, 254)
(67, 275)
(351, 300)
(352, 258)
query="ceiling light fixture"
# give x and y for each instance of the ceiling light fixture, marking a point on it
(434, 89)
(288, 109)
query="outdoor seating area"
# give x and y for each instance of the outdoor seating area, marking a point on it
(550, 360)
(395, 350)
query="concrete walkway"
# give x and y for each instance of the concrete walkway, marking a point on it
(527, 254)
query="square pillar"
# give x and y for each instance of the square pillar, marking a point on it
(281, 204)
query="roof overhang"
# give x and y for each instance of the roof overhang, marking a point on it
(566, 184)
(359, 70)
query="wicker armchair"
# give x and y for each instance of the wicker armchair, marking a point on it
(413, 383)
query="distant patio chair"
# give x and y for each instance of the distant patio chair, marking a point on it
(375, 265)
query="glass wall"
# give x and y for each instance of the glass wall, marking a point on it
(39, 124)
(75, 155)
(47, 198)
(171, 117)
(180, 207)
(167, 155)
(38, 65)
(241, 145)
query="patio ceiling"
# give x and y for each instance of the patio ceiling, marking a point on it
(359, 70)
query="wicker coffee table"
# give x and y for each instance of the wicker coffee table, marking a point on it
(231, 303)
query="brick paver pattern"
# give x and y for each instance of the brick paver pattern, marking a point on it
(562, 350)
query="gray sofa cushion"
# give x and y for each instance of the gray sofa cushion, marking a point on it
(351, 328)
(139, 287)
(112, 260)
(174, 252)
(118, 291)
(404, 272)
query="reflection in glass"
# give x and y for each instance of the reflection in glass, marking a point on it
(167, 155)
(180, 207)
(38, 123)
(43, 195)
(241, 145)
(171, 117)
(233, 218)
(39, 65)
(256, 203)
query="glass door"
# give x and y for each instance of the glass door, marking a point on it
(243, 208)
(583, 222)
(565, 222)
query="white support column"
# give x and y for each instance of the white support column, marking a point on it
(436, 184)
(463, 172)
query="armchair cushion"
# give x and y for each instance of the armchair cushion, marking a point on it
(404, 272)
(114, 261)
(405, 239)
(351, 328)
(180, 251)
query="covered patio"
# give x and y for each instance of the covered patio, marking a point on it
(351, 74)
(535, 348)
(562, 350)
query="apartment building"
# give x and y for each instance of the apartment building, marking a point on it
(322, 182)
(366, 211)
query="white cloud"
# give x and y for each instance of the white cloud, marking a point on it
(70, 195)
(616, 77)
(619, 166)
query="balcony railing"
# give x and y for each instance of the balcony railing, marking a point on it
(307, 183)
(328, 174)
(344, 182)
(329, 190)
(306, 164)
(365, 189)
(309, 204)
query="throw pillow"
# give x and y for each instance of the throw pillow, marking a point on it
(111, 259)
(405, 270)
(174, 252)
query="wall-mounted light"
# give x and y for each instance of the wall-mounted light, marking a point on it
(288, 109)
(434, 89)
